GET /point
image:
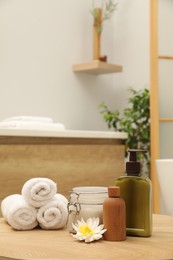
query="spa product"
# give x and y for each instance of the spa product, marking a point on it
(136, 191)
(86, 202)
(114, 216)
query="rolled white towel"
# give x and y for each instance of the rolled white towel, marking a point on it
(54, 214)
(18, 213)
(38, 191)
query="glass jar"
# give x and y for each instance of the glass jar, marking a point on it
(86, 202)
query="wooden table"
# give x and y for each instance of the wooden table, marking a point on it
(41, 244)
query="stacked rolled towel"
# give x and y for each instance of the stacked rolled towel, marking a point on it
(18, 213)
(39, 203)
(38, 191)
(54, 214)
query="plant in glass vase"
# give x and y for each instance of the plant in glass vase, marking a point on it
(100, 14)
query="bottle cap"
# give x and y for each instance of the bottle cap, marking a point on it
(133, 167)
(114, 191)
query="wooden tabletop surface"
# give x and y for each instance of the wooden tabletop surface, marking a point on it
(42, 244)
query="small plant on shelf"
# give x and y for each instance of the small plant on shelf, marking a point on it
(100, 14)
(135, 120)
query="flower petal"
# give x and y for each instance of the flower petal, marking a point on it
(98, 228)
(103, 231)
(93, 223)
(89, 239)
(97, 236)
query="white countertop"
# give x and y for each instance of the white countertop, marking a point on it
(63, 134)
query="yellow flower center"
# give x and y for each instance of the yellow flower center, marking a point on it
(85, 230)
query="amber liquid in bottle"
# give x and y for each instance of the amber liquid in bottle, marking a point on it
(114, 216)
(136, 192)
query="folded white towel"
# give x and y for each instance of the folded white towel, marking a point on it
(54, 214)
(28, 119)
(18, 213)
(32, 125)
(38, 191)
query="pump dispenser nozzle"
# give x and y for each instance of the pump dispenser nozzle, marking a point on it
(133, 167)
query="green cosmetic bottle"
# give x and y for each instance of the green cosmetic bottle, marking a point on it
(136, 192)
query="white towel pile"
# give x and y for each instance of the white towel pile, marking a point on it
(38, 204)
(31, 123)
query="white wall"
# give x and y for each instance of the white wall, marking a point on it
(40, 40)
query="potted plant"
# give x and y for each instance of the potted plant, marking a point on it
(135, 120)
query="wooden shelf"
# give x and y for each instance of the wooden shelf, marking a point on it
(166, 57)
(166, 119)
(97, 67)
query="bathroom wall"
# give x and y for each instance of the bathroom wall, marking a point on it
(42, 39)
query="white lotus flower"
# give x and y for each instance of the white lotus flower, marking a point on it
(89, 230)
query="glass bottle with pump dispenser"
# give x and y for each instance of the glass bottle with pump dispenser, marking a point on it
(136, 192)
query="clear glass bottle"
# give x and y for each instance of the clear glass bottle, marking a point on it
(86, 202)
(136, 192)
